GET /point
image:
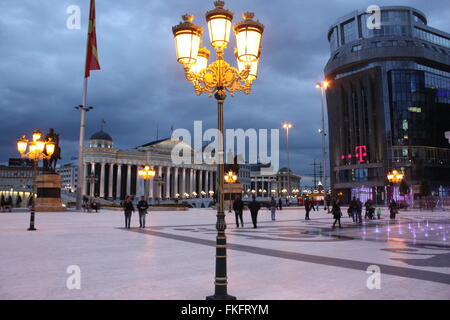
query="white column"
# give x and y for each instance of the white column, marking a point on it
(211, 182)
(175, 182)
(92, 184)
(102, 180)
(183, 181)
(119, 181)
(150, 188)
(128, 179)
(207, 183)
(85, 181)
(191, 178)
(200, 180)
(110, 180)
(158, 186)
(168, 183)
(139, 187)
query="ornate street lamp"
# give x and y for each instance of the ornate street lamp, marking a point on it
(230, 178)
(147, 173)
(217, 79)
(394, 177)
(38, 149)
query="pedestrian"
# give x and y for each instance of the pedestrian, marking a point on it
(280, 204)
(393, 208)
(238, 207)
(287, 202)
(2, 203)
(367, 206)
(273, 208)
(254, 207)
(307, 208)
(18, 201)
(379, 213)
(128, 209)
(142, 207)
(313, 205)
(359, 210)
(336, 210)
(94, 206)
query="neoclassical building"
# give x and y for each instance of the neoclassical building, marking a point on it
(116, 171)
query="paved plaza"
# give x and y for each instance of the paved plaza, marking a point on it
(174, 257)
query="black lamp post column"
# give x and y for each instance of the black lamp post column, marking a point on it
(32, 228)
(221, 281)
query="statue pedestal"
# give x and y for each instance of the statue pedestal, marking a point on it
(48, 193)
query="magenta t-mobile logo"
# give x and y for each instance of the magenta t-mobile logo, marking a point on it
(360, 154)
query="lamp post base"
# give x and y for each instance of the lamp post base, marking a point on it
(31, 229)
(221, 297)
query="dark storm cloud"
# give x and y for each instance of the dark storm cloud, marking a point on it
(141, 86)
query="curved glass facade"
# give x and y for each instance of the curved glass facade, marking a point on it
(394, 22)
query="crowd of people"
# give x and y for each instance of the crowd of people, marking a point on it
(90, 205)
(354, 210)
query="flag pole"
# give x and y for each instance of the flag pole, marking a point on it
(80, 179)
(91, 64)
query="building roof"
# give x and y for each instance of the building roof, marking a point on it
(101, 135)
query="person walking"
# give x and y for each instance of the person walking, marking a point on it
(254, 207)
(307, 208)
(273, 208)
(393, 209)
(18, 201)
(280, 204)
(336, 210)
(128, 209)
(379, 213)
(142, 207)
(359, 210)
(238, 207)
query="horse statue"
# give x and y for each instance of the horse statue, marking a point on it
(50, 164)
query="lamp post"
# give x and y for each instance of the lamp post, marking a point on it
(230, 178)
(288, 126)
(38, 149)
(323, 86)
(147, 173)
(394, 177)
(217, 79)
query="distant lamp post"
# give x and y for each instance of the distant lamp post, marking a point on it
(323, 87)
(146, 173)
(217, 79)
(288, 126)
(38, 149)
(230, 178)
(394, 177)
(211, 193)
(203, 193)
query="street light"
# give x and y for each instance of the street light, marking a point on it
(92, 179)
(394, 177)
(38, 149)
(147, 173)
(288, 126)
(323, 86)
(217, 79)
(230, 178)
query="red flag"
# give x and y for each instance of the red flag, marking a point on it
(91, 51)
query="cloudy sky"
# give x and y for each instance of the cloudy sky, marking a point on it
(142, 87)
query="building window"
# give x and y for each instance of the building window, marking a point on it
(357, 48)
(349, 32)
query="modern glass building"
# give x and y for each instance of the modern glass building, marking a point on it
(388, 103)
